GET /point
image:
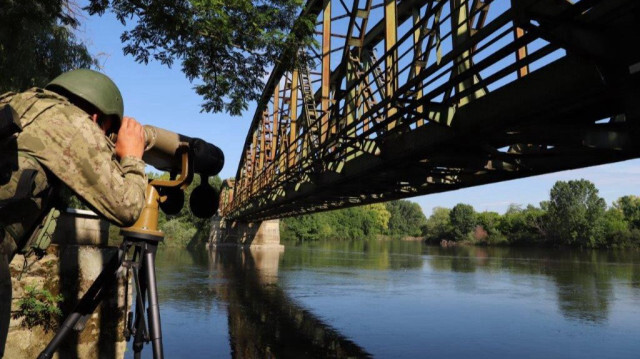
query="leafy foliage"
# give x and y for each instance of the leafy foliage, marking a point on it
(69, 199)
(438, 226)
(629, 206)
(227, 47)
(490, 223)
(463, 220)
(37, 43)
(343, 224)
(397, 218)
(39, 307)
(406, 219)
(574, 216)
(523, 226)
(381, 216)
(575, 213)
(616, 228)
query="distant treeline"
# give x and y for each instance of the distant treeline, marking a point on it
(574, 215)
(396, 218)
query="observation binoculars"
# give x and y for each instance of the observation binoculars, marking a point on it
(168, 151)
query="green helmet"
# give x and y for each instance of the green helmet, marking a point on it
(93, 87)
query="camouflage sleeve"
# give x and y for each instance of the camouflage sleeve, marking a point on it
(75, 150)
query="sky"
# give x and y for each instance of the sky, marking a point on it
(157, 95)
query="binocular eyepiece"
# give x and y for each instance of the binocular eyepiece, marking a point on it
(163, 151)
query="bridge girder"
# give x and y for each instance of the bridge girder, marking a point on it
(464, 93)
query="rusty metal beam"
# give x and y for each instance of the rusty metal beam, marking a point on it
(422, 119)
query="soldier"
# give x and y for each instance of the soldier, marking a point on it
(64, 140)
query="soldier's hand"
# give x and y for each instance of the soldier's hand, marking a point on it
(130, 139)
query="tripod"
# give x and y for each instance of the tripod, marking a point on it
(142, 264)
(143, 238)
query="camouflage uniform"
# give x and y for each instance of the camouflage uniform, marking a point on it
(62, 139)
(60, 142)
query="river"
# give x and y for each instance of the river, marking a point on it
(397, 299)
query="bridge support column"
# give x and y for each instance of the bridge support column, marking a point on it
(252, 234)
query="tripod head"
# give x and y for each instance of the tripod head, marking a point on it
(182, 157)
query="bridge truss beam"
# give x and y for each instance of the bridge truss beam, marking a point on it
(413, 97)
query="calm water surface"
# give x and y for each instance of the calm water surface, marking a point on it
(394, 299)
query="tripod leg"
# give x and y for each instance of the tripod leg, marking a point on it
(87, 304)
(139, 322)
(154, 308)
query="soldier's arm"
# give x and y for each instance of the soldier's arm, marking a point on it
(113, 188)
(76, 151)
(123, 203)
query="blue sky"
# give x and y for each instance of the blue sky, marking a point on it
(159, 96)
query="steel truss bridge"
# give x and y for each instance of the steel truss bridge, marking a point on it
(410, 97)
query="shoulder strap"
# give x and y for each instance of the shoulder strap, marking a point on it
(24, 187)
(9, 121)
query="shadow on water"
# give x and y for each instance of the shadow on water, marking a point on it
(583, 278)
(263, 321)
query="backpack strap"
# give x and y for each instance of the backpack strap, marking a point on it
(9, 121)
(24, 187)
(25, 184)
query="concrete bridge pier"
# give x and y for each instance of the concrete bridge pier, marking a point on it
(243, 234)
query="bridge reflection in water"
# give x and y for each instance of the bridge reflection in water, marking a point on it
(399, 299)
(263, 321)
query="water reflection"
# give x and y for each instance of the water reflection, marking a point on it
(263, 321)
(399, 299)
(356, 254)
(181, 279)
(583, 278)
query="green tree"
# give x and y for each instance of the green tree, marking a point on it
(307, 227)
(629, 206)
(438, 225)
(406, 219)
(490, 221)
(523, 226)
(616, 229)
(463, 221)
(342, 224)
(575, 214)
(227, 47)
(37, 43)
(381, 216)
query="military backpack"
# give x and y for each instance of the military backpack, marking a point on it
(27, 214)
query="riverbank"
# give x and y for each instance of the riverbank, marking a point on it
(447, 243)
